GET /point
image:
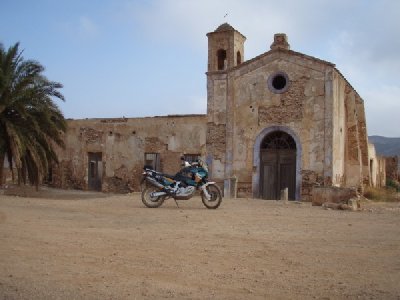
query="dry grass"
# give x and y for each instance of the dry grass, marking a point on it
(382, 194)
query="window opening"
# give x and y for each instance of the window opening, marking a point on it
(152, 160)
(191, 157)
(278, 82)
(221, 54)
(278, 140)
(238, 58)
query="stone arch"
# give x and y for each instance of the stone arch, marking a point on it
(257, 163)
(221, 56)
(238, 58)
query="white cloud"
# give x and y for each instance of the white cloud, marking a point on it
(82, 28)
(87, 28)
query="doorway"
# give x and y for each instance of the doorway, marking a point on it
(95, 171)
(277, 165)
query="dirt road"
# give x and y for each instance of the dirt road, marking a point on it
(89, 246)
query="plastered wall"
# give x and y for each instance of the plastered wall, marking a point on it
(123, 144)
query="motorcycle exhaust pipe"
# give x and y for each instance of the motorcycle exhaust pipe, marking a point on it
(154, 182)
(158, 194)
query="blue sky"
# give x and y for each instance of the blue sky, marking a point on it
(144, 58)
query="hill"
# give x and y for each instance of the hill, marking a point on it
(385, 146)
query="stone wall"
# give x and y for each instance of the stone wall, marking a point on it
(215, 140)
(310, 180)
(392, 169)
(300, 109)
(323, 195)
(290, 106)
(123, 144)
(320, 108)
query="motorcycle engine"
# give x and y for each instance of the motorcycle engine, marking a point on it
(185, 191)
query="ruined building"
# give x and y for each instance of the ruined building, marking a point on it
(281, 119)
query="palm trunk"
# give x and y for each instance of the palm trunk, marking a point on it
(23, 172)
(37, 180)
(19, 176)
(2, 156)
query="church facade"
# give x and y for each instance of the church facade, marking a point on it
(280, 120)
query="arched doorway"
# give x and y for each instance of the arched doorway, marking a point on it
(277, 165)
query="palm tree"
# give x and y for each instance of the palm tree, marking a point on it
(31, 124)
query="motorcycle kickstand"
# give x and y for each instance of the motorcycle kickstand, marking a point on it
(176, 203)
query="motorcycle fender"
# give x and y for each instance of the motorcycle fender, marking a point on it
(204, 190)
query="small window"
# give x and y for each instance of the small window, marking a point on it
(278, 82)
(152, 160)
(191, 157)
(238, 58)
(221, 54)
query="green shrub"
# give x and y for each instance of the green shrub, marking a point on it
(393, 184)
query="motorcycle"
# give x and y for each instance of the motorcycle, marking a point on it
(182, 186)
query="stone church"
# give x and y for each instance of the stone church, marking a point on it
(280, 120)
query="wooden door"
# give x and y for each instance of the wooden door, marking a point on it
(278, 172)
(287, 172)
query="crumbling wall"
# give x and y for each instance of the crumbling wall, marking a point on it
(392, 169)
(332, 194)
(65, 177)
(340, 89)
(302, 110)
(381, 172)
(353, 151)
(123, 144)
(289, 108)
(171, 163)
(244, 190)
(310, 179)
(216, 135)
(217, 89)
(154, 144)
(91, 135)
(363, 141)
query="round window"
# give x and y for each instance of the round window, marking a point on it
(278, 82)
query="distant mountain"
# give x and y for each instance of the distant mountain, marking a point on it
(385, 146)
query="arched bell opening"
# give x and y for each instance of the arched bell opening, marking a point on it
(221, 56)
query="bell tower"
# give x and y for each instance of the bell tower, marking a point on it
(225, 48)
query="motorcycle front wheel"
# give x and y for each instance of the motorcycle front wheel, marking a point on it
(149, 200)
(215, 199)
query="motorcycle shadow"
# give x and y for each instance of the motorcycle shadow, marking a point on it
(194, 203)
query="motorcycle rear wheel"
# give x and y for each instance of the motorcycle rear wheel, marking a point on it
(148, 200)
(216, 197)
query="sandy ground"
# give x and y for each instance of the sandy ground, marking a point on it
(76, 245)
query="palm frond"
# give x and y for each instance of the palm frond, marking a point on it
(31, 124)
